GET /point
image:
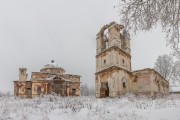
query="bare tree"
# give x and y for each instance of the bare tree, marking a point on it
(146, 14)
(165, 66)
(176, 73)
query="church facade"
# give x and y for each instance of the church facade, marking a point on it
(114, 76)
(50, 79)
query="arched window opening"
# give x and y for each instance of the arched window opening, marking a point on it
(124, 85)
(123, 61)
(104, 61)
(104, 40)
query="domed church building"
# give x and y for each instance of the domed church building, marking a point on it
(50, 79)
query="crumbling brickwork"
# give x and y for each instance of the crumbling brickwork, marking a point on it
(114, 76)
(50, 79)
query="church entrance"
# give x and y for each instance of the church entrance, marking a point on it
(29, 93)
(104, 90)
(73, 92)
(124, 85)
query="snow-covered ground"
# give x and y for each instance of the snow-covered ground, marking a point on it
(128, 107)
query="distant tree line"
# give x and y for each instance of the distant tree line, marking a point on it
(5, 94)
(87, 90)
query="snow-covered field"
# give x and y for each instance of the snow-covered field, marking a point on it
(128, 107)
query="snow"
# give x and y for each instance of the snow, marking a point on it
(175, 89)
(128, 107)
(52, 65)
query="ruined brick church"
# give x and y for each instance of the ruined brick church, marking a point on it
(114, 76)
(50, 79)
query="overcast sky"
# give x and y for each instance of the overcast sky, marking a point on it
(33, 32)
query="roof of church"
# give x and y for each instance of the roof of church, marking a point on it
(52, 65)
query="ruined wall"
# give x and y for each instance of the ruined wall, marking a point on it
(123, 76)
(39, 87)
(141, 82)
(115, 79)
(160, 84)
(22, 74)
(60, 87)
(53, 70)
(20, 89)
(73, 86)
(128, 45)
(114, 33)
(76, 87)
(113, 58)
(39, 75)
(149, 81)
(74, 78)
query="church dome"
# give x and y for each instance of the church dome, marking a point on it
(52, 65)
(52, 68)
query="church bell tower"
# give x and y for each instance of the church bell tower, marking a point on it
(113, 61)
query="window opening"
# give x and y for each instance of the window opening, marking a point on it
(124, 85)
(104, 61)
